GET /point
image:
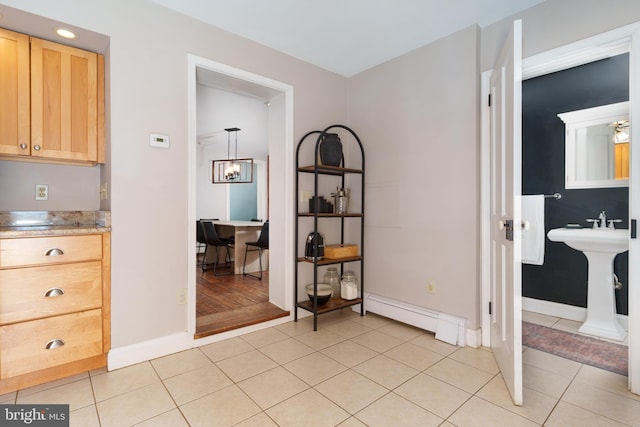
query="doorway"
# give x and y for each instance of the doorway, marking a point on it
(624, 39)
(278, 143)
(557, 285)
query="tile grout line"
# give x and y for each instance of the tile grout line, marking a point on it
(170, 396)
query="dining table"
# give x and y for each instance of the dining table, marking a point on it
(242, 232)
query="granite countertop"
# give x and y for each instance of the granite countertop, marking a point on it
(53, 223)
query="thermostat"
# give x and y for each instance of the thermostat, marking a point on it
(161, 141)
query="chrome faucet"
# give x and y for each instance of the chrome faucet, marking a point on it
(603, 219)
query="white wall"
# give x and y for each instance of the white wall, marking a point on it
(556, 23)
(418, 118)
(70, 187)
(147, 92)
(218, 110)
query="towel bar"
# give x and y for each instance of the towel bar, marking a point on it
(553, 196)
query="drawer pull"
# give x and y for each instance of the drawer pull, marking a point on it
(54, 252)
(54, 292)
(54, 344)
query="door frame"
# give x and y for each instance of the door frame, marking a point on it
(597, 47)
(280, 291)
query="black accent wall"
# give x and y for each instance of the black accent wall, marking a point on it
(563, 277)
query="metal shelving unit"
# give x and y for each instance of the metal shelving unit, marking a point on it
(319, 171)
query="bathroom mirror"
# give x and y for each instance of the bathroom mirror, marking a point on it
(597, 146)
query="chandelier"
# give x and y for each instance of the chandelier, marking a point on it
(232, 170)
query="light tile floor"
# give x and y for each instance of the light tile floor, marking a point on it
(354, 371)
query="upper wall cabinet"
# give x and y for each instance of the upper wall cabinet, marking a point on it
(15, 134)
(65, 119)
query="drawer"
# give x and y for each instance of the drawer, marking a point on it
(23, 346)
(36, 292)
(49, 250)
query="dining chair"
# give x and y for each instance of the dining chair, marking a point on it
(262, 244)
(213, 240)
(200, 241)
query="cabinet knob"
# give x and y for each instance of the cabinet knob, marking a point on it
(54, 292)
(55, 343)
(54, 252)
(23, 146)
(36, 147)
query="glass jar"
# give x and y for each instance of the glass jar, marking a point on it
(332, 278)
(349, 285)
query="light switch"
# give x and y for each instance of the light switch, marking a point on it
(158, 140)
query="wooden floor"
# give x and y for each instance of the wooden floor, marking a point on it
(229, 302)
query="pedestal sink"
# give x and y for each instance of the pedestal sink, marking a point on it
(600, 246)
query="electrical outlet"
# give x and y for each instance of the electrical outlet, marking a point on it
(182, 296)
(42, 192)
(431, 287)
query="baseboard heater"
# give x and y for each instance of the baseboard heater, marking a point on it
(447, 328)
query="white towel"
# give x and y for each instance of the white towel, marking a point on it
(533, 237)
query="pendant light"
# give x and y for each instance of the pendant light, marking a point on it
(232, 170)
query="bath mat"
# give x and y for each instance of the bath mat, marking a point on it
(590, 351)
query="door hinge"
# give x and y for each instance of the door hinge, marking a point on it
(633, 229)
(490, 309)
(489, 100)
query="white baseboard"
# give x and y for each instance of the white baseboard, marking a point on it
(163, 346)
(474, 337)
(147, 350)
(564, 311)
(447, 328)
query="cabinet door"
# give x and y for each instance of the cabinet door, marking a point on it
(14, 87)
(64, 94)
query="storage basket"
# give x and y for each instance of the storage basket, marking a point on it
(340, 251)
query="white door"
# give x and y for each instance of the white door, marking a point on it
(506, 220)
(634, 215)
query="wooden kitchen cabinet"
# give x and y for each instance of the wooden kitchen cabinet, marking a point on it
(49, 342)
(15, 130)
(37, 294)
(54, 309)
(55, 111)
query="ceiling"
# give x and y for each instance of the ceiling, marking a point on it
(44, 28)
(346, 36)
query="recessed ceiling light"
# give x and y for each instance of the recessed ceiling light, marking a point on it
(67, 34)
